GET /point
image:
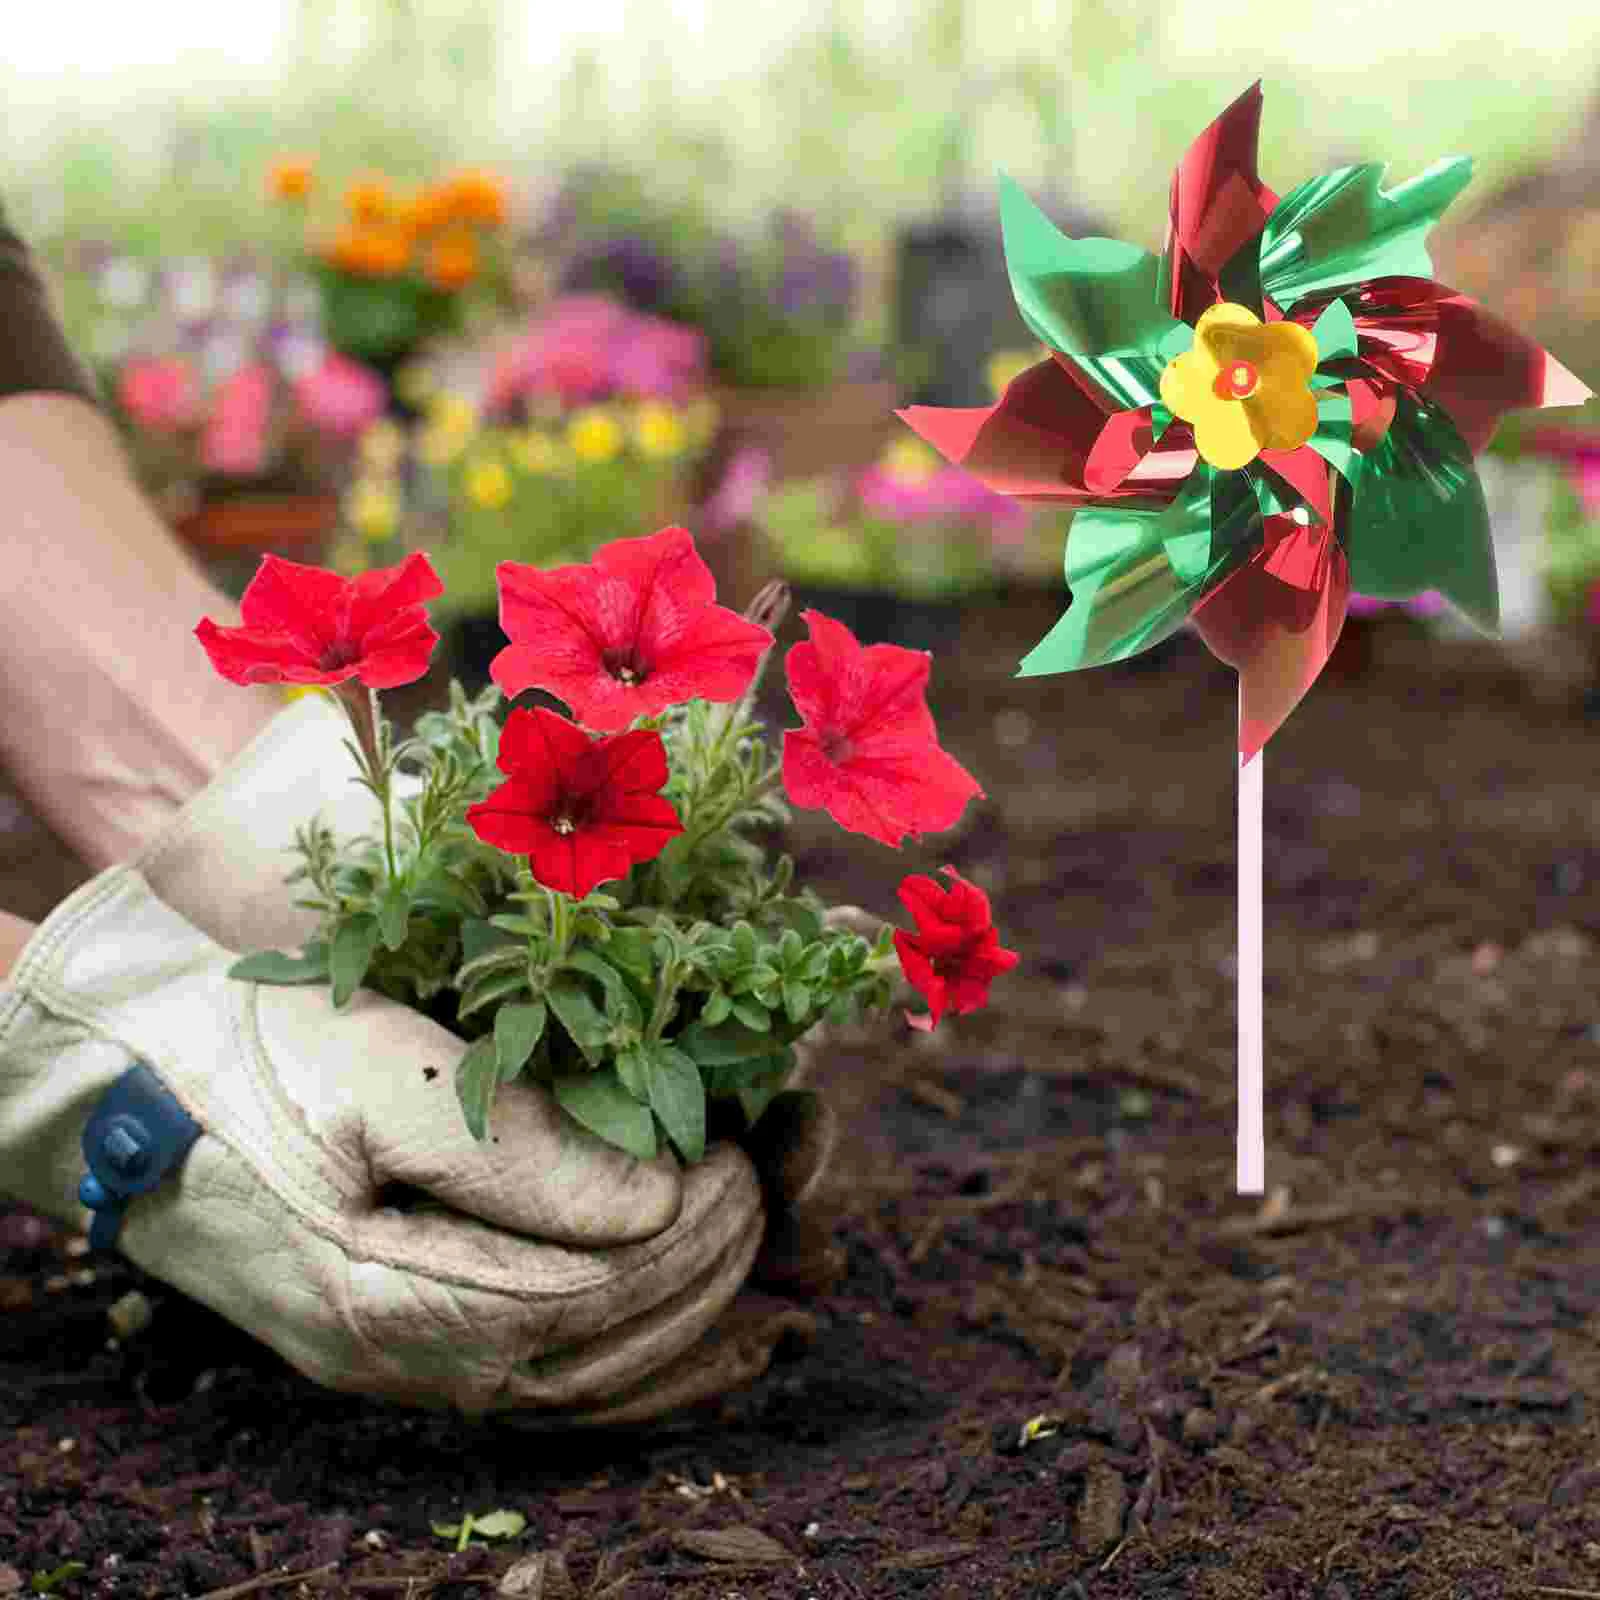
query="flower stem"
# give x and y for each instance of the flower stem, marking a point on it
(362, 705)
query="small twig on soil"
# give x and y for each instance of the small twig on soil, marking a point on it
(1571, 1594)
(1151, 1487)
(967, 1206)
(269, 1580)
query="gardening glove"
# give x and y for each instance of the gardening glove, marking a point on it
(558, 1273)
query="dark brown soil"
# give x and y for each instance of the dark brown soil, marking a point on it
(1379, 1384)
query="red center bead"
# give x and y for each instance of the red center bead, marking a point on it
(1236, 381)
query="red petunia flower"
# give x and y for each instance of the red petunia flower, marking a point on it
(635, 631)
(868, 752)
(582, 810)
(955, 953)
(305, 625)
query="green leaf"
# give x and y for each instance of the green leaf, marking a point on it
(500, 960)
(477, 1078)
(442, 892)
(394, 913)
(486, 991)
(48, 1582)
(273, 966)
(493, 1525)
(678, 1097)
(815, 966)
(479, 938)
(621, 1006)
(517, 1031)
(633, 1071)
(744, 942)
(629, 951)
(585, 1022)
(728, 1041)
(758, 1095)
(752, 1014)
(354, 946)
(796, 1000)
(597, 1101)
(1419, 520)
(1084, 297)
(1342, 229)
(718, 1008)
(507, 923)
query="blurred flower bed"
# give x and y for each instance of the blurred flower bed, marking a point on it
(590, 420)
(782, 308)
(909, 526)
(394, 266)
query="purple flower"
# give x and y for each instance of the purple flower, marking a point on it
(839, 281)
(1427, 604)
(799, 288)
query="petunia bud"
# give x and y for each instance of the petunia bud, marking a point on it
(770, 606)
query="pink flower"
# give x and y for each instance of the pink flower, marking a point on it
(743, 485)
(340, 396)
(588, 348)
(235, 439)
(161, 394)
(1587, 473)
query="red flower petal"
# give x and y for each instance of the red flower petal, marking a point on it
(955, 953)
(536, 742)
(628, 635)
(841, 688)
(305, 625)
(582, 810)
(868, 752)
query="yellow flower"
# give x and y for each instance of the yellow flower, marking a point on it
(659, 431)
(535, 452)
(1004, 365)
(1244, 386)
(373, 507)
(298, 691)
(439, 445)
(448, 408)
(909, 460)
(383, 446)
(488, 485)
(594, 437)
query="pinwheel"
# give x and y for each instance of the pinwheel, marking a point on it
(1280, 408)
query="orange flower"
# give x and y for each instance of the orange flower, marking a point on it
(477, 195)
(453, 261)
(430, 209)
(289, 178)
(369, 200)
(369, 252)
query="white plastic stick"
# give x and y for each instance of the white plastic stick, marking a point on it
(1252, 1158)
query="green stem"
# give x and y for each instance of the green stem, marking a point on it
(361, 703)
(671, 982)
(704, 827)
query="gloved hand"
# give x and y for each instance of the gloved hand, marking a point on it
(567, 1276)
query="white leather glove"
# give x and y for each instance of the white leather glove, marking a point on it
(558, 1273)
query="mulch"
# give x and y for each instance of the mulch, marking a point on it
(1065, 1359)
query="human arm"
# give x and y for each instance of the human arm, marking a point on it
(112, 719)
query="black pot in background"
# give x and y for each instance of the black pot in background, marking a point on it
(875, 616)
(466, 647)
(953, 308)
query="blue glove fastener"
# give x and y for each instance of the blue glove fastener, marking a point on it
(136, 1135)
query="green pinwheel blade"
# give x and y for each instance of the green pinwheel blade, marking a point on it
(1341, 229)
(1136, 572)
(1083, 297)
(1332, 440)
(1418, 519)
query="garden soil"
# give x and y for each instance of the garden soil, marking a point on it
(1064, 1358)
